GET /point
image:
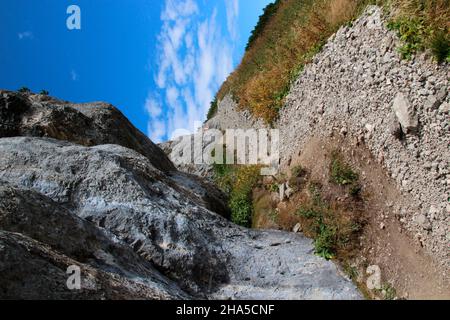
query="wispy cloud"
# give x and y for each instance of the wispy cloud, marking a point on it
(194, 57)
(74, 75)
(25, 35)
(232, 16)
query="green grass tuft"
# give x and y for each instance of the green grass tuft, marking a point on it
(241, 209)
(411, 31)
(341, 173)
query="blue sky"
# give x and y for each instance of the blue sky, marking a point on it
(159, 61)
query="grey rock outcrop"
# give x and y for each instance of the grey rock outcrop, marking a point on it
(191, 163)
(229, 116)
(91, 124)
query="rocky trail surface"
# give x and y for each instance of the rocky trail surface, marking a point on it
(80, 186)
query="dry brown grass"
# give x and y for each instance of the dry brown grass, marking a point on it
(294, 34)
(341, 11)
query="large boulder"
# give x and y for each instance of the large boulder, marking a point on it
(405, 113)
(87, 124)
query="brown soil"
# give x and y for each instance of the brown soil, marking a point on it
(383, 241)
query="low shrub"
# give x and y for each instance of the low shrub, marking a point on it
(421, 25)
(241, 209)
(411, 30)
(440, 46)
(24, 90)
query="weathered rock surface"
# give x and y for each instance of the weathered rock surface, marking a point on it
(191, 163)
(135, 230)
(40, 239)
(91, 124)
(228, 116)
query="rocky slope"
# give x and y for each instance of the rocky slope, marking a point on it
(95, 193)
(359, 87)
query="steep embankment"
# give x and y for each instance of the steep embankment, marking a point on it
(372, 131)
(360, 89)
(135, 229)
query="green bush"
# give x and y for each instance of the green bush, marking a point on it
(44, 92)
(423, 25)
(323, 229)
(411, 31)
(389, 292)
(325, 241)
(332, 229)
(241, 209)
(308, 213)
(238, 182)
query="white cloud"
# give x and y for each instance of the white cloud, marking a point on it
(175, 9)
(74, 75)
(172, 97)
(25, 35)
(194, 58)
